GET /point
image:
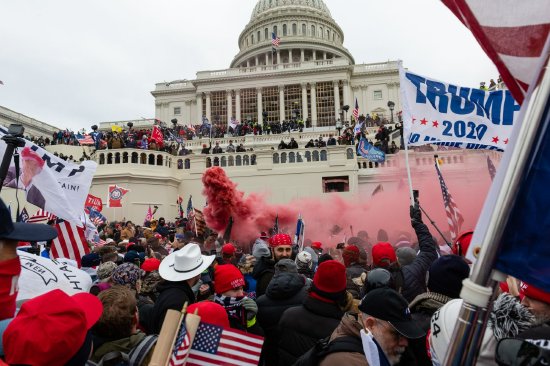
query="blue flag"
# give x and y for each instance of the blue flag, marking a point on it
(524, 251)
(366, 150)
(23, 216)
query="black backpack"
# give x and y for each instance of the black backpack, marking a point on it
(324, 347)
(135, 357)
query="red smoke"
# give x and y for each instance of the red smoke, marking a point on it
(388, 210)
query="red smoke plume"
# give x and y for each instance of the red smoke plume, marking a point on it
(388, 209)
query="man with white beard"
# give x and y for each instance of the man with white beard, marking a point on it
(383, 327)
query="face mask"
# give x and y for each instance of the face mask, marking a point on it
(197, 286)
(370, 348)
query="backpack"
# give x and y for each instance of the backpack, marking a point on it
(323, 347)
(135, 357)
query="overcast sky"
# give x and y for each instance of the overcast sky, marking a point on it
(77, 63)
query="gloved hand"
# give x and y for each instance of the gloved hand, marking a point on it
(251, 307)
(416, 214)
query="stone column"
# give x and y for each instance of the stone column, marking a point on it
(259, 103)
(313, 105)
(199, 108)
(248, 63)
(314, 56)
(281, 102)
(267, 58)
(302, 56)
(364, 100)
(229, 106)
(238, 104)
(290, 56)
(256, 61)
(304, 102)
(324, 55)
(347, 100)
(278, 57)
(336, 98)
(208, 107)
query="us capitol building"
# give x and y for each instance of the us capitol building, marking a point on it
(311, 76)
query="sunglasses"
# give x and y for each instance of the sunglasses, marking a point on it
(517, 352)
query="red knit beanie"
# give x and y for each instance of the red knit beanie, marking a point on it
(329, 282)
(383, 255)
(210, 313)
(227, 277)
(280, 239)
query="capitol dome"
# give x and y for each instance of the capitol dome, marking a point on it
(306, 30)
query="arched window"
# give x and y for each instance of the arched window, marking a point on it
(134, 158)
(299, 158)
(238, 160)
(291, 157)
(252, 39)
(283, 158)
(258, 34)
(349, 153)
(151, 159)
(231, 160)
(224, 161)
(125, 157)
(246, 160)
(304, 29)
(247, 41)
(187, 164)
(109, 158)
(275, 158)
(180, 163)
(333, 36)
(159, 160)
(308, 155)
(253, 159)
(117, 158)
(284, 29)
(208, 162)
(294, 29)
(143, 158)
(320, 32)
(316, 155)
(323, 155)
(216, 161)
(328, 34)
(101, 159)
(313, 31)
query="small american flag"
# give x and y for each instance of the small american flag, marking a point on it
(190, 207)
(181, 347)
(491, 168)
(85, 139)
(454, 217)
(70, 242)
(215, 345)
(275, 41)
(41, 217)
(356, 111)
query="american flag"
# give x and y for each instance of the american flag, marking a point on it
(275, 41)
(181, 347)
(215, 345)
(454, 217)
(491, 168)
(356, 110)
(514, 34)
(190, 207)
(85, 139)
(41, 217)
(196, 222)
(70, 242)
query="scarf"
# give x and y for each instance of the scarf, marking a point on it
(233, 306)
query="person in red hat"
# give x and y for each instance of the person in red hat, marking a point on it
(302, 326)
(229, 288)
(462, 242)
(228, 254)
(537, 301)
(354, 269)
(317, 246)
(280, 246)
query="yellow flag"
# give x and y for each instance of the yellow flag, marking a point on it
(116, 129)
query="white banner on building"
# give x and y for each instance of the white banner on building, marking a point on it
(48, 182)
(435, 112)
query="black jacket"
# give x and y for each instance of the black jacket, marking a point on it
(414, 274)
(302, 326)
(285, 290)
(172, 295)
(263, 273)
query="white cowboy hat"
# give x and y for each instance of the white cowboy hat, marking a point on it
(185, 263)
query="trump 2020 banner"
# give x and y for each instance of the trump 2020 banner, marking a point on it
(435, 112)
(50, 183)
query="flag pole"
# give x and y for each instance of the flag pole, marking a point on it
(408, 167)
(476, 290)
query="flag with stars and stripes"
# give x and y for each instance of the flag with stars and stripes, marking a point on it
(214, 345)
(454, 217)
(41, 217)
(181, 347)
(70, 242)
(356, 111)
(275, 41)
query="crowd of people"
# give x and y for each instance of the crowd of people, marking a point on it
(364, 302)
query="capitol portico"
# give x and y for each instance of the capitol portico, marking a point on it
(310, 76)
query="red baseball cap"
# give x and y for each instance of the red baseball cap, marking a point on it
(228, 249)
(462, 242)
(383, 254)
(150, 264)
(316, 245)
(51, 328)
(534, 293)
(280, 239)
(210, 313)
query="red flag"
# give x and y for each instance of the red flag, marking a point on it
(514, 34)
(115, 195)
(70, 242)
(94, 202)
(157, 136)
(149, 215)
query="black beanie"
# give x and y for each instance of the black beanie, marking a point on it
(446, 274)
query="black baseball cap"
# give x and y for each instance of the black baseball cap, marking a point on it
(387, 304)
(22, 231)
